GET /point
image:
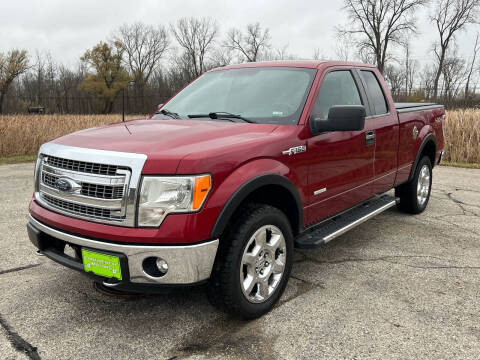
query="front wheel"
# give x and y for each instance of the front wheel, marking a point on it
(254, 263)
(415, 194)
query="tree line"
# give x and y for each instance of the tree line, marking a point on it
(145, 64)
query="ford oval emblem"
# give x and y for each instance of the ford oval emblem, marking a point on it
(65, 185)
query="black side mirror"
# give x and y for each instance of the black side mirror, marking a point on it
(340, 118)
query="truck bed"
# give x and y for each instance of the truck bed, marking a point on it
(411, 106)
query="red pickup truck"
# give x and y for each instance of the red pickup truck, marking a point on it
(230, 175)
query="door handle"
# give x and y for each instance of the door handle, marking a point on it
(370, 137)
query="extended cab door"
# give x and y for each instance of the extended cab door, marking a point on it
(384, 126)
(340, 171)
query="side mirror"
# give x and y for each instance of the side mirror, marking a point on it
(340, 118)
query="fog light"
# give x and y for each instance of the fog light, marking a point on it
(162, 265)
(154, 266)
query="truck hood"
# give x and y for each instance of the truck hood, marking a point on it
(167, 142)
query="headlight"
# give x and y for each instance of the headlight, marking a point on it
(36, 175)
(161, 195)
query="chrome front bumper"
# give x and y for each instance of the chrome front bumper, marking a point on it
(186, 264)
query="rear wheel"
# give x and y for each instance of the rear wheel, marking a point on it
(415, 194)
(254, 263)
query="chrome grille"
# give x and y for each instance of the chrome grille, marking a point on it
(104, 190)
(92, 190)
(94, 193)
(49, 180)
(82, 166)
(77, 208)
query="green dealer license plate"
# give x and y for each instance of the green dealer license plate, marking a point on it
(101, 264)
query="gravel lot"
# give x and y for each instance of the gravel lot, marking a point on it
(398, 286)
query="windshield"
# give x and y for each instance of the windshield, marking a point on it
(264, 95)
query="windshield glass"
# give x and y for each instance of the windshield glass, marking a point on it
(264, 95)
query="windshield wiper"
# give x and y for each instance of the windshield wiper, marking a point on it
(166, 112)
(221, 115)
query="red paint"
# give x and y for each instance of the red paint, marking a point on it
(234, 153)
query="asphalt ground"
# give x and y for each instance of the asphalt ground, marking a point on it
(398, 286)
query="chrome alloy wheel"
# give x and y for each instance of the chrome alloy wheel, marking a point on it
(263, 263)
(423, 185)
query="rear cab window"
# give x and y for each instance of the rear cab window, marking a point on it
(375, 93)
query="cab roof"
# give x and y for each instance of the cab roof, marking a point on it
(310, 64)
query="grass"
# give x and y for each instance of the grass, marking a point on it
(17, 159)
(21, 135)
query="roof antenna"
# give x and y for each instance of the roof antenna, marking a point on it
(130, 83)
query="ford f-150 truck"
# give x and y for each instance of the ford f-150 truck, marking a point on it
(230, 175)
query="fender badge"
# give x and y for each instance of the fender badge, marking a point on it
(415, 132)
(295, 150)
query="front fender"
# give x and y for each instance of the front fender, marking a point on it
(247, 178)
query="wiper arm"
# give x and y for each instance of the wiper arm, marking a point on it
(171, 114)
(194, 116)
(221, 115)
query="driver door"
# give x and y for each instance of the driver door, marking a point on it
(341, 168)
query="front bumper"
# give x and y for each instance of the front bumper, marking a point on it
(186, 264)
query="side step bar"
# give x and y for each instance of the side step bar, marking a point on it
(340, 224)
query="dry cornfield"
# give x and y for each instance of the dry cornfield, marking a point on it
(462, 136)
(23, 134)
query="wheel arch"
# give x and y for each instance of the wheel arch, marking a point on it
(427, 147)
(271, 189)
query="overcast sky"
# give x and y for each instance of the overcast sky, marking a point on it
(67, 28)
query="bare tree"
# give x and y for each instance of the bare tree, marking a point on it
(472, 67)
(249, 45)
(50, 85)
(39, 73)
(395, 79)
(67, 82)
(51, 90)
(317, 54)
(196, 37)
(366, 56)
(280, 53)
(143, 47)
(344, 46)
(410, 69)
(378, 23)
(12, 65)
(427, 78)
(450, 16)
(220, 57)
(454, 74)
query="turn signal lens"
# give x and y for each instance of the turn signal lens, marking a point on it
(200, 190)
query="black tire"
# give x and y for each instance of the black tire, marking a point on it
(224, 289)
(407, 192)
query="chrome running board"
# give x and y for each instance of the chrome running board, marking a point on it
(331, 228)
